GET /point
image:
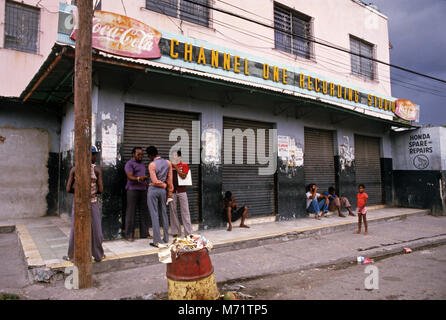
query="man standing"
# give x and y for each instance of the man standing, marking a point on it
(96, 219)
(179, 194)
(160, 172)
(136, 195)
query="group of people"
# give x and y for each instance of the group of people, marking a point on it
(148, 193)
(160, 189)
(152, 193)
(320, 204)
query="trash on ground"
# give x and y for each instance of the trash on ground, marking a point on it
(407, 250)
(243, 296)
(229, 296)
(235, 287)
(192, 242)
(367, 261)
(149, 296)
(363, 260)
(234, 295)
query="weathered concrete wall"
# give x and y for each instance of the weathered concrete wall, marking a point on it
(24, 116)
(419, 149)
(23, 172)
(419, 169)
(36, 131)
(443, 147)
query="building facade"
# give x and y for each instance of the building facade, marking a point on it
(262, 97)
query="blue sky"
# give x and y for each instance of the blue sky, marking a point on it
(417, 32)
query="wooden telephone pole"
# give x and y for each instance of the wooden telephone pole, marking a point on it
(82, 143)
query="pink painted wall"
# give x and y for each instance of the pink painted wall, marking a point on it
(333, 21)
(17, 67)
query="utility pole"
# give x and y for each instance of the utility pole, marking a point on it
(82, 143)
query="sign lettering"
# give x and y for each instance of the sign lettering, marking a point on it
(123, 36)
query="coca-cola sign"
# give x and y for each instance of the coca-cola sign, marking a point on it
(406, 109)
(121, 35)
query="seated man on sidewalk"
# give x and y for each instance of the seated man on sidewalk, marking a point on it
(316, 203)
(336, 202)
(231, 213)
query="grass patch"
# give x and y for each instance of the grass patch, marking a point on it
(9, 296)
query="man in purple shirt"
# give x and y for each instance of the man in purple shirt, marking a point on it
(136, 195)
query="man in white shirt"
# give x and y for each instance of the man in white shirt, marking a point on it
(316, 203)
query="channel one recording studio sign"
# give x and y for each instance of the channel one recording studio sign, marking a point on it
(124, 36)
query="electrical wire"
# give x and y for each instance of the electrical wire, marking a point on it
(312, 39)
(335, 63)
(339, 64)
(125, 11)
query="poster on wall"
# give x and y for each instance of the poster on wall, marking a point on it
(109, 145)
(283, 143)
(211, 146)
(296, 155)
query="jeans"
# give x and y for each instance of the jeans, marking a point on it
(316, 207)
(156, 200)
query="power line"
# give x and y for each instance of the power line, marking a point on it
(315, 41)
(321, 58)
(335, 63)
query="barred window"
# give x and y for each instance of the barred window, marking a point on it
(362, 66)
(292, 32)
(187, 11)
(21, 27)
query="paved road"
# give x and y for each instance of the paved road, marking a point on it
(419, 275)
(279, 258)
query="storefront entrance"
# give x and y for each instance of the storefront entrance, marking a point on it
(368, 167)
(319, 158)
(249, 188)
(144, 126)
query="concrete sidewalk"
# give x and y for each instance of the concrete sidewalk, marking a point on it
(45, 240)
(280, 247)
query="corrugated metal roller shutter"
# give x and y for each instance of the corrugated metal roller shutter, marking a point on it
(145, 126)
(368, 167)
(243, 180)
(319, 158)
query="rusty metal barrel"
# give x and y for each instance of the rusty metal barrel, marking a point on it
(190, 276)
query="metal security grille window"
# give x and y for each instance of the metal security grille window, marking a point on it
(21, 27)
(182, 9)
(287, 22)
(362, 66)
